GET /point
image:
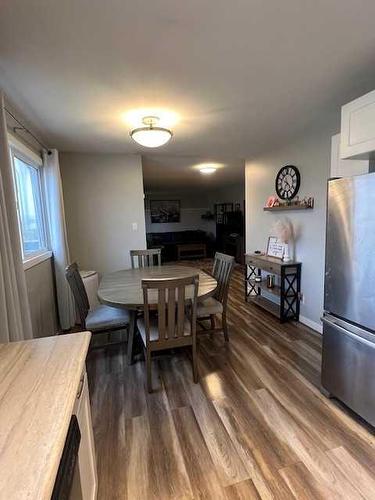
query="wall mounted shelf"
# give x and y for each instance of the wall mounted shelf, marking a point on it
(287, 207)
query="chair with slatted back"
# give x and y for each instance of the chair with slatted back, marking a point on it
(210, 307)
(100, 319)
(174, 325)
(145, 258)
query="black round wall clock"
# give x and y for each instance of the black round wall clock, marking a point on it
(288, 181)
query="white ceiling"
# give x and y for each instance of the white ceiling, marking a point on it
(163, 172)
(239, 74)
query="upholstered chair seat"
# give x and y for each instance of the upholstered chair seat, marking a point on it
(154, 332)
(106, 318)
(101, 319)
(209, 306)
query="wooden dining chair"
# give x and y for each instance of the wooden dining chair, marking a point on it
(210, 307)
(174, 325)
(100, 319)
(145, 258)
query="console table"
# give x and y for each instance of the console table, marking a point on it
(285, 301)
(191, 250)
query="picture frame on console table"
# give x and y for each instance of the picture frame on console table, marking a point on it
(275, 248)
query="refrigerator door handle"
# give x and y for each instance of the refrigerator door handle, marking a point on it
(358, 338)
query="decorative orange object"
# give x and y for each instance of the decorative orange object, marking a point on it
(272, 201)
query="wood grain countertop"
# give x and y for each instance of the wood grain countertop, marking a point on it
(39, 380)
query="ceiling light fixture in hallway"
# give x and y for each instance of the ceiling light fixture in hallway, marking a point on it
(208, 170)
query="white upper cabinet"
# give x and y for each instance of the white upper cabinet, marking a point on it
(358, 128)
(345, 168)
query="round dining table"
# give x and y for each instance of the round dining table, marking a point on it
(124, 289)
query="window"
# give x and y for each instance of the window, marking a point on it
(30, 207)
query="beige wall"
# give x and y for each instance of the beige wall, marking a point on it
(41, 293)
(311, 154)
(103, 197)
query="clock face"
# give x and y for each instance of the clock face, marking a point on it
(287, 182)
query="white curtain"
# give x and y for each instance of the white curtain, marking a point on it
(59, 242)
(15, 320)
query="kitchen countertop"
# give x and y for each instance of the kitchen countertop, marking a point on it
(39, 380)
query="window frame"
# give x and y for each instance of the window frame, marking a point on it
(18, 150)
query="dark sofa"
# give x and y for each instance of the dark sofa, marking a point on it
(169, 241)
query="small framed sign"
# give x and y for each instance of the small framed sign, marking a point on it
(275, 248)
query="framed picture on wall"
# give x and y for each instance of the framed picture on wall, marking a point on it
(165, 211)
(275, 248)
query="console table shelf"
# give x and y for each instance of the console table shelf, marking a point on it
(263, 286)
(287, 291)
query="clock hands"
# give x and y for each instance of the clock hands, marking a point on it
(287, 182)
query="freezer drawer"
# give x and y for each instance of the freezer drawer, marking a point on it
(348, 367)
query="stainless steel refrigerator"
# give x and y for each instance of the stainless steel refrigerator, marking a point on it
(348, 362)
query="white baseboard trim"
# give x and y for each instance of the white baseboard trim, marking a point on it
(312, 324)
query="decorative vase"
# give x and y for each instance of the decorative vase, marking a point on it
(286, 257)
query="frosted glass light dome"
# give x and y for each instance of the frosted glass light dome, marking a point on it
(207, 170)
(151, 136)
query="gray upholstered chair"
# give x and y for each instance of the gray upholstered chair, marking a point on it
(210, 307)
(175, 323)
(145, 258)
(100, 319)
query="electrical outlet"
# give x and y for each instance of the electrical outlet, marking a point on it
(302, 297)
(134, 226)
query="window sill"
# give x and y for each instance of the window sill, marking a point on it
(36, 259)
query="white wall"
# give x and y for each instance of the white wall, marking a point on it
(192, 207)
(193, 204)
(311, 154)
(103, 196)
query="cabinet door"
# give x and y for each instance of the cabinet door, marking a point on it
(358, 127)
(345, 168)
(86, 455)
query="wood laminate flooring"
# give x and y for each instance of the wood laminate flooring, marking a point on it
(256, 426)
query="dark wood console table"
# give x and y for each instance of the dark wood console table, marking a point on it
(286, 292)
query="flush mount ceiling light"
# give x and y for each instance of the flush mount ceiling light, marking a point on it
(151, 136)
(207, 170)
